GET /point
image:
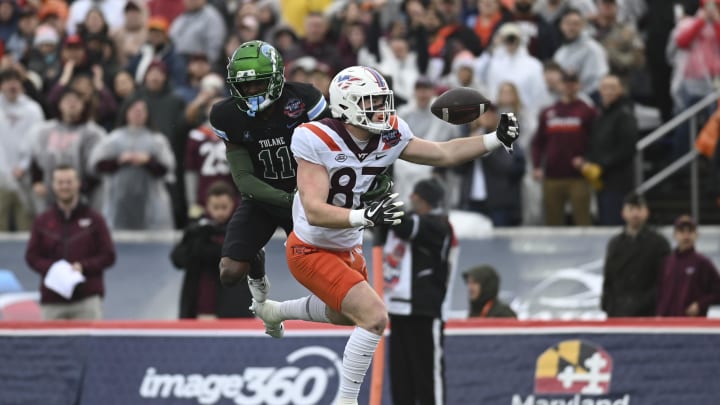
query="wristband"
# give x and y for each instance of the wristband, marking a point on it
(491, 141)
(357, 218)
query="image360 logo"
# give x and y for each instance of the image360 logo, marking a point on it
(288, 385)
(573, 367)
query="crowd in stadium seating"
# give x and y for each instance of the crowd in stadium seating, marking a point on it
(120, 89)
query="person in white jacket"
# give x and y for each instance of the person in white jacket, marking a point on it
(18, 113)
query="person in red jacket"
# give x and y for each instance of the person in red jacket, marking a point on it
(70, 232)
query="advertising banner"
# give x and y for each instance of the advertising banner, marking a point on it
(645, 362)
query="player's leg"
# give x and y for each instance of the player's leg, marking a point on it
(247, 232)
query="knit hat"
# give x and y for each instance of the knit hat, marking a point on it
(430, 190)
(685, 222)
(45, 34)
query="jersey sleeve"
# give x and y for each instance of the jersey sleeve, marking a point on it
(216, 122)
(406, 134)
(304, 145)
(317, 106)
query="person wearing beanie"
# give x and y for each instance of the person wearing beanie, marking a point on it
(483, 285)
(416, 270)
(689, 283)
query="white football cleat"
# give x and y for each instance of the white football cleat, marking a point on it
(269, 313)
(259, 288)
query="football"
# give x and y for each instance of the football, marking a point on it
(459, 105)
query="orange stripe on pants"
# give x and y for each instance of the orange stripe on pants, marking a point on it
(326, 273)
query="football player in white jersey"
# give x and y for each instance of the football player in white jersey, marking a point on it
(338, 159)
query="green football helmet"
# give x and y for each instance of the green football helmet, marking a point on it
(256, 76)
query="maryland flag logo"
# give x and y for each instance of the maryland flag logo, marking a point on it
(573, 367)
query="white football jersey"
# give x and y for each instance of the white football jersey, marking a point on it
(352, 171)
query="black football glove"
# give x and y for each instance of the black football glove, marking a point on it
(383, 211)
(382, 185)
(507, 130)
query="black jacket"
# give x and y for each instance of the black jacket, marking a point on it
(612, 145)
(632, 267)
(199, 251)
(417, 249)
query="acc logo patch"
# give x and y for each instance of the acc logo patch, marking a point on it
(573, 367)
(341, 158)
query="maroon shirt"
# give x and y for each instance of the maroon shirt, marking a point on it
(687, 277)
(563, 133)
(205, 155)
(83, 238)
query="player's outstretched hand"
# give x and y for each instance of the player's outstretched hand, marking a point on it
(383, 211)
(382, 185)
(507, 130)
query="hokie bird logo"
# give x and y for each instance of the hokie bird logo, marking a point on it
(573, 367)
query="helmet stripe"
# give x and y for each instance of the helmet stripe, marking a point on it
(378, 78)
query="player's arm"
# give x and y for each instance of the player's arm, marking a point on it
(460, 150)
(249, 185)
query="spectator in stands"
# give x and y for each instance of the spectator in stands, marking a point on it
(123, 86)
(695, 49)
(129, 38)
(212, 85)
(416, 270)
(159, 47)
(542, 38)
(399, 63)
(483, 286)
(552, 11)
(689, 282)
(43, 59)
(491, 186)
(508, 100)
(135, 163)
(101, 102)
(623, 44)
(168, 10)
(633, 264)
(487, 20)
(21, 39)
(54, 13)
(317, 42)
(166, 116)
(609, 160)
(112, 10)
(708, 144)
(463, 73)
(421, 121)
(510, 62)
(69, 139)
(18, 113)
(71, 231)
(563, 133)
(198, 66)
(580, 53)
(199, 29)
(198, 254)
(284, 40)
(9, 15)
(205, 163)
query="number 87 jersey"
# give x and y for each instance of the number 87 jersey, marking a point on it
(351, 169)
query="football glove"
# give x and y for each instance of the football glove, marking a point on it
(507, 130)
(382, 185)
(383, 211)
